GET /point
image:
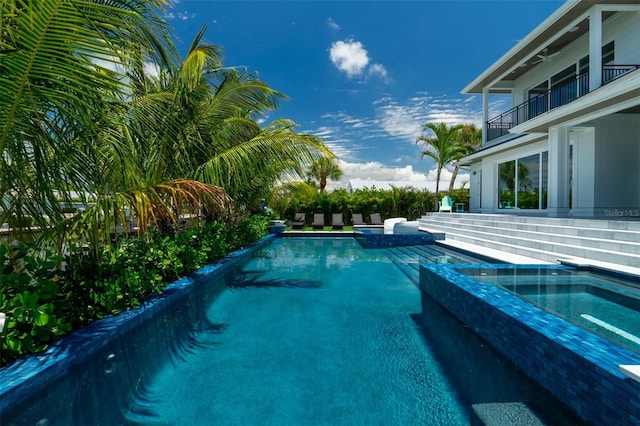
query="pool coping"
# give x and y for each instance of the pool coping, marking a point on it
(24, 378)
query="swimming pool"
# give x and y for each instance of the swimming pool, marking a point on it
(604, 305)
(308, 331)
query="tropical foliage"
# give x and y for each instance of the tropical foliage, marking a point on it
(82, 118)
(323, 169)
(444, 144)
(470, 138)
(397, 202)
(44, 303)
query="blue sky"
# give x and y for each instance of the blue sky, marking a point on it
(366, 75)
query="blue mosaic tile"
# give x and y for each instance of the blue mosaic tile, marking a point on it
(578, 367)
(368, 239)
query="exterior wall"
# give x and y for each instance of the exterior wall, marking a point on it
(617, 169)
(624, 28)
(583, 179)
(475, 187)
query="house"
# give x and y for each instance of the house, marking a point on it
(569, 145)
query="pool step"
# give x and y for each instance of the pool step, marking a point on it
(504, 414)
(547, 239)
(408, 258)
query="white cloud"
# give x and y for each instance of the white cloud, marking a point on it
(332, 24)
(405, 120)
(349, 56)
(352, 138)
(379, 71)
(182, 16)
(373, 171)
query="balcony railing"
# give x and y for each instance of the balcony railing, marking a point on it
(558, 96)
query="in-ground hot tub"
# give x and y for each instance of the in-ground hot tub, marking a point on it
(576, 364)
(396, 232)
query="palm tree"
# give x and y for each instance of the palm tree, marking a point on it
(323, 169)
(470, 137)
(189, 137)
(443, 147)
(151, 145)
(59, 73)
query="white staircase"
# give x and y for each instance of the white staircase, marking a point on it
(612, 244)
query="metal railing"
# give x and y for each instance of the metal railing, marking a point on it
(556, 97)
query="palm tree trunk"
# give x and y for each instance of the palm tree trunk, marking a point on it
(438, 188)
(453, 178)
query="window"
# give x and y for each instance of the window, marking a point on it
(564, 87)
(608, 53)
(538, 100)
(507, 185)
(583, 76)
(526, 189)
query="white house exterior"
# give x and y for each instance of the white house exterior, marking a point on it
(573, 131)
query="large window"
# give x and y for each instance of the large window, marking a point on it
(523, 183)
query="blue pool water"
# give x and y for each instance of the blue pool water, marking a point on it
(308, 332)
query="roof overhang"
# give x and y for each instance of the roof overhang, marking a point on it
(494, 149)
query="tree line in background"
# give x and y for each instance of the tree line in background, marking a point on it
(300, 197)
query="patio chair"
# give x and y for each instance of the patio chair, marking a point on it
(318, 221)
(298, 221)
(375, 219)
(357, 219)
(446, 205)
(337, 221)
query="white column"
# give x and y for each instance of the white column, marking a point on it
(595, 48)
(558, 195)
(485, 113)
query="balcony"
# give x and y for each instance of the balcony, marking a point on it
(556, 97)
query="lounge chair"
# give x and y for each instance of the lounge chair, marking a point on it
(337, 222)
(446, 204)
(357, 219)
(298, 221)
(375, 219)
(318, 221)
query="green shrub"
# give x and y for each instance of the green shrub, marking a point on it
(29, 288)
(43, 303)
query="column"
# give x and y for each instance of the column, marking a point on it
(485, 114)
(595, 48)
(558, 196)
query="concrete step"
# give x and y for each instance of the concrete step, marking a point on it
(546, 234)
(544, 246)
(615, 230)
(622, 225)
